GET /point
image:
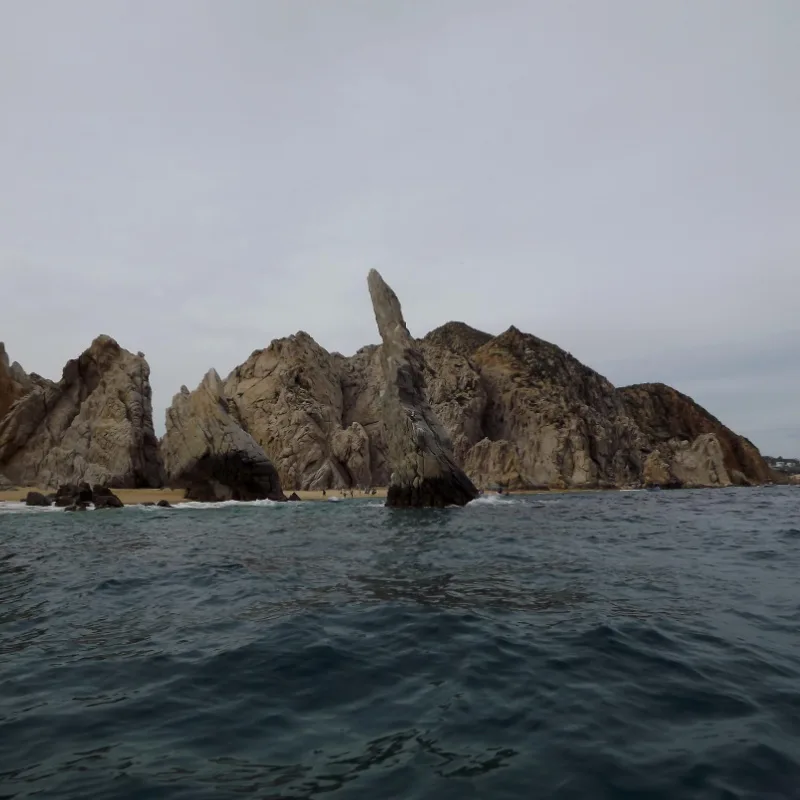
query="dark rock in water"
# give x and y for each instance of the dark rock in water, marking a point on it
(67, 494)
(103, 497)
(294, 497)
(164, 504)
(151, 503)
(36, 499)
(76, 507)
(107, 501)
(208, 453)
(424, 471)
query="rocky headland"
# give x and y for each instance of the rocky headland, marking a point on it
(510, 410)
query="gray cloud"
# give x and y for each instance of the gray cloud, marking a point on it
(196, 178)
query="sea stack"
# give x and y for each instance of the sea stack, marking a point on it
(424, 472)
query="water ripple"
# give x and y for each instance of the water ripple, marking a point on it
(604, 645)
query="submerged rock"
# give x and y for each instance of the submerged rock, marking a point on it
(207, 452)
(424, 471)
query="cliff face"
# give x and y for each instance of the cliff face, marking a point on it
(289, 398)
(14, 383)
(94, 425)
(564, 421)
(206, 452)
(664, 414)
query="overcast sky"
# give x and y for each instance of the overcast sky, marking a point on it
(196, 178)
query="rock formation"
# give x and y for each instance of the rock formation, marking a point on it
(424, 470)
(14, 382)
(519, 412)
(94, 425)
(562, 421)
(666, 416)
(288, 397)
(206, 451)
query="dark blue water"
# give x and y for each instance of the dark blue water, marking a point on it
(614, 645)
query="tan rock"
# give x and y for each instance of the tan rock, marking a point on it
(663, 414)
(289, 398)
(424, 471)
(14, 383)
(94, 425)
(206, 452)
(564, 419)
(362, 386)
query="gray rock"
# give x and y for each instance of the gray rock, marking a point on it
(424, 471)
(207, 452)
(94, 425)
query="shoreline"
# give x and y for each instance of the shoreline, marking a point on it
(132, 497)
(175, 496)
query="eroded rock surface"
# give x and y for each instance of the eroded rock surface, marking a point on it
(288, 397)
(94, 425)
(424, 470)
(14, 382)
(666, 415)
(206, 451)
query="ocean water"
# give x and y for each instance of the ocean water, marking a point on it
(609, 645)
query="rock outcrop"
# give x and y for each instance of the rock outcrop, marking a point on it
(551, 420)
(14, 382)
(424, 470)
(94, 425)
(665, 416)
(206, 451)
(288, 397)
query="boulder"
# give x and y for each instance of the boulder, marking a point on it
(103, 497)
(294, 497)
(94, 425)
(76, 507)
(164, 504)
(207, 453)
(36, 499)
(424, 470)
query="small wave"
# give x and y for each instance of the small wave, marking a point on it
(494, 500)
(194, 504)
(16, 507)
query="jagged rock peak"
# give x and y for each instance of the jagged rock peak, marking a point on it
(94, 425)
(289, 398)
(424, 470)
(458, 337)
(207, 452)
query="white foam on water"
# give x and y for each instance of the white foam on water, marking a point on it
(493, 500)
(16, 507)
(194, 504)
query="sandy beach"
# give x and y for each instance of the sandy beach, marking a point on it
(174, 496)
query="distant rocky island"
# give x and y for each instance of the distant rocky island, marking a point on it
(510, 411)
